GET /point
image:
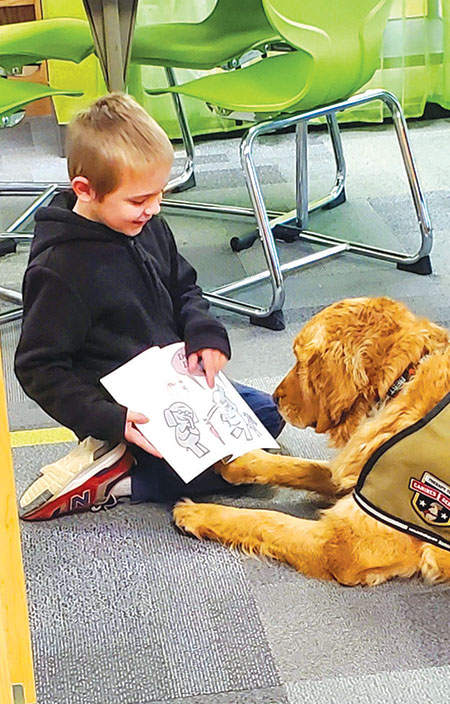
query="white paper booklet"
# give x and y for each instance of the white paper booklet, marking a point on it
(190, 424)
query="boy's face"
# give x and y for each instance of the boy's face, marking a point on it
(132, 204)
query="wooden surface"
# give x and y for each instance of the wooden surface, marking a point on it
(5, 677)
(15, 644)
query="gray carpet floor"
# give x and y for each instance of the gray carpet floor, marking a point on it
(123, 609)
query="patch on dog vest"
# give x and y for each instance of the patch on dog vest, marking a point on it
(406, 482)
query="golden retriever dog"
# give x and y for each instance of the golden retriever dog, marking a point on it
(347, 357)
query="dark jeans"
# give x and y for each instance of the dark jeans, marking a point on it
(153, 479)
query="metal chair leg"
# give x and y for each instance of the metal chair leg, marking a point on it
(335, 197)
(301, 166)
(421, 262)
(270, 316)
(186, 179)
(337, 193)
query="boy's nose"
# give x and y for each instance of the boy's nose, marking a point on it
(153, 209)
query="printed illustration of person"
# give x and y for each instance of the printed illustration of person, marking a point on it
(181, 417)
(229, 414)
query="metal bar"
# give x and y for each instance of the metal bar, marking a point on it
(94, 13)
(31, 209)
(358, 247)
(127, 15)
(262, 220)
(21, 188)
(8, 294)
(285, 269)
(113, 45)
(188, 143)
(420, 205)
(10, 315)
(236, 306)
(301, 165)
(22, 236)
(215, 208)
(112, 26)
(338, 151)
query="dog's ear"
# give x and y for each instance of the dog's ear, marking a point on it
(405, 348)
(338, 378)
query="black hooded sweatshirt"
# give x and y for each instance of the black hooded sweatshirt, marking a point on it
(93, 299)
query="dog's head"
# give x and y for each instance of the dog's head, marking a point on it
(347, 357)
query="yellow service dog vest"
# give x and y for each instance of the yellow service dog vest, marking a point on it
(406, 483)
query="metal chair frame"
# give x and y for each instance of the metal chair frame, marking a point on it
(271, 315)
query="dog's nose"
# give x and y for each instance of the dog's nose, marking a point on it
(276, 398)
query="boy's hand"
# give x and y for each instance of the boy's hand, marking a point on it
(133, 435)
(213, 361)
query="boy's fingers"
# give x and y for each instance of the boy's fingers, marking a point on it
(192, 362)
(210, 378)
(210, 373)
(135, 417)
(210, 363)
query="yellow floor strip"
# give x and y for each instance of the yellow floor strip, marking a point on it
(42, 436)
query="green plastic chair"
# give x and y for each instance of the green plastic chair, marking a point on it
(230, 31)
(337, 51)
(31, 42)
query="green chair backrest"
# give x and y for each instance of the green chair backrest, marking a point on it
(343, 37)
(229, 31)
(30, 42)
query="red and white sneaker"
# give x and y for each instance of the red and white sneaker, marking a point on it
(83, 480)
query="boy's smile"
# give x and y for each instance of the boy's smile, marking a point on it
(130, 206)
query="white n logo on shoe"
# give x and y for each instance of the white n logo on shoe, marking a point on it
(77, 501)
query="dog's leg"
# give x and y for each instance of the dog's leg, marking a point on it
(435, 564)
(345, 544)
(260, 467)
(295, 541)
(366, 551)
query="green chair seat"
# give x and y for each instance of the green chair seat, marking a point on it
(15, 95)
(30, 42)
(277, 84)
(233, 28)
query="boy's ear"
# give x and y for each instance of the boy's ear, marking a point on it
(82, 188)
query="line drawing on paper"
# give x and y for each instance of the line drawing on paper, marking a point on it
(228, 413)
(182, 417)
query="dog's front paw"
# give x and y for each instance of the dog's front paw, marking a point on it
(244, 469)
(190, 518)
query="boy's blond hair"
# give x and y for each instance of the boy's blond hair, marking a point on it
(114, 135)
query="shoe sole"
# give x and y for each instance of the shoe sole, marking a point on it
(94, 491)
(45, 494)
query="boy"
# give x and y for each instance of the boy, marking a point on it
(104, 282)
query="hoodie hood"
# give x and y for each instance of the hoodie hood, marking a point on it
(57, 223)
